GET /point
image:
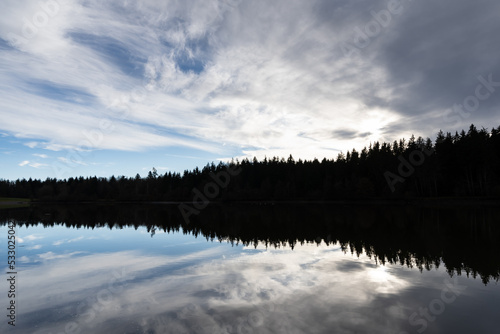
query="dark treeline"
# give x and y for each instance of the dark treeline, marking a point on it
(466, 164)
(464, 240)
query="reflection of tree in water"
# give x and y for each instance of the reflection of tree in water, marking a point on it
(464, 240)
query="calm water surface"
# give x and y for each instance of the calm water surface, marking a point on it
(254, 269)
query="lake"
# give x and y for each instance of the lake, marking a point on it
(253, 268)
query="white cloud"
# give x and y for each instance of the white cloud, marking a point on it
(38, 165)
(32, 164)
(43, 156)
(250, 94)
(266, 78)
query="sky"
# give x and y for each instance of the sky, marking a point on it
(107, 88)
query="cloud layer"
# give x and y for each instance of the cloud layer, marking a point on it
(307, 78)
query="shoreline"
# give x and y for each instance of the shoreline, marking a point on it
(443, 201)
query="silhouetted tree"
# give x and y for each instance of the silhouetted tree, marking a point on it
(463, 164)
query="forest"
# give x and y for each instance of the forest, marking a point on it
(463, 239)
(465, 165)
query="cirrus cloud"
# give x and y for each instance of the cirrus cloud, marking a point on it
(255, 78)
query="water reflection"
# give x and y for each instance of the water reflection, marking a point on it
(274, 274)
(465, 240)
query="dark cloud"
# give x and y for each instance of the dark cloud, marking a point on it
(433, 55)
(349, 134)
(350, 266)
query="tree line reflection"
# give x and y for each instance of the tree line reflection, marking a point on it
(464, 240)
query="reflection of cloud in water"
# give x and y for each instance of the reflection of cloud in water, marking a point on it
(32, 237)
(52, 256)
(60, 242)
(309, 289)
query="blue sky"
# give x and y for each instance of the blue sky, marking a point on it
(118, 87)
